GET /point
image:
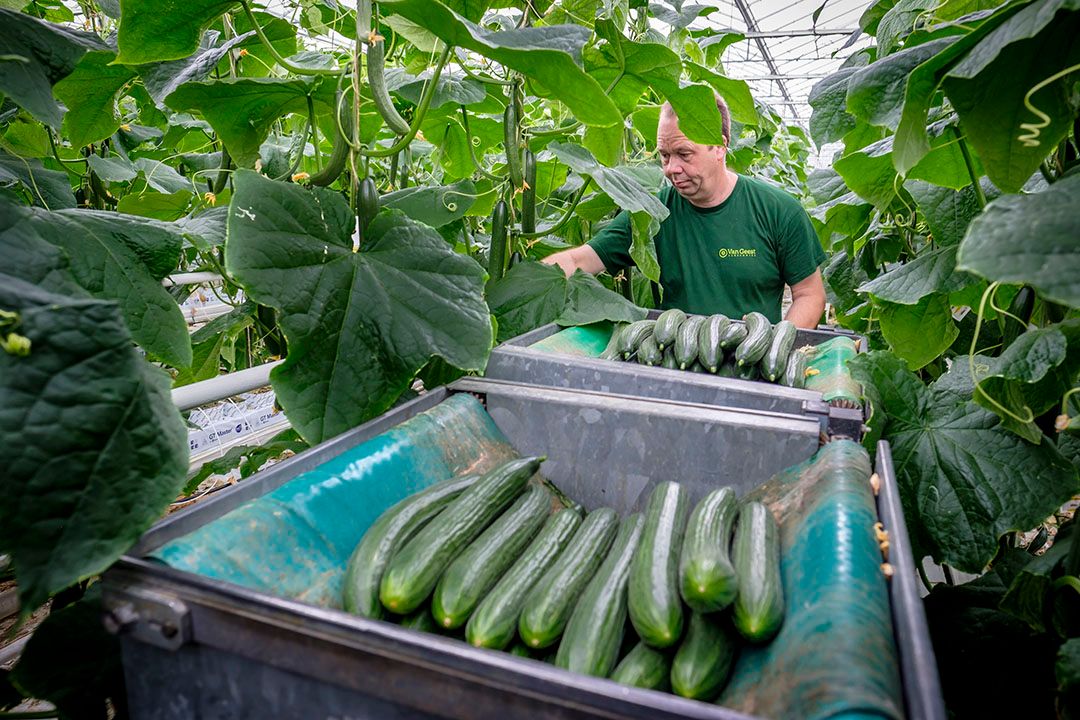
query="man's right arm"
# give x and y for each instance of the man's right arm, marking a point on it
(609, 250)
(582, 257)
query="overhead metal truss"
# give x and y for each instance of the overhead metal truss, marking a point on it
(751, 26)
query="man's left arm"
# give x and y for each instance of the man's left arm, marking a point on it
(807, 301)
(801, 256)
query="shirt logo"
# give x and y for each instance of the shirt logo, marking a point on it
(725, 253)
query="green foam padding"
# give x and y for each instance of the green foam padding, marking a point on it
(296, 540)
(835, 654)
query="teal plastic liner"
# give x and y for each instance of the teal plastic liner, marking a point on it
(835, 655)
(296, 540)
(583, 341)
(831, 376)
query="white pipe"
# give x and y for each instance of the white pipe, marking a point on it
(223, 386)
(194, 278)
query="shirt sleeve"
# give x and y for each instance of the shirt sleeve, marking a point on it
(800, 249)
(612, 243)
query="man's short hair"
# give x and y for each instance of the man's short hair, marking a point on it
(725, 116)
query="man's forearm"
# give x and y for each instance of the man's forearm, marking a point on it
(805, 312)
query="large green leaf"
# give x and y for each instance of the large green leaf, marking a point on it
(91, 670)
(157, 30)
(920, 332)
(90, 95)
(164, 178)
(830, 120)
(532, 294)
(259, 61)
(869, 171)
(988, 89)
(123, 258)
(1029, 239)
(37, 55)
(160, 79)
(1029, 377)
(736, 93)
(928, 273)
(657, 66)
(899, 21)
(947, 212)
(243, 110)
(964, 480)
(548, 55)
(912, 143)
(50, 189)
(359, 324)
(875, 93)
(452, 89)
(646, 211)
(112, 169)
(95, 448)
(436, 205)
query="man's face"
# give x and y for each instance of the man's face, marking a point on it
(695, 170)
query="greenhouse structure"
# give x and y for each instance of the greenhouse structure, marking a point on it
(540, 359)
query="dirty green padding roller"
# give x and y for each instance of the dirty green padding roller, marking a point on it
(296, 540)
(833, 379)
(583, 341)
(835, 655)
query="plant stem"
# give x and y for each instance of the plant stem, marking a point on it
(472, 153)
(418, 116)
(569, 213)
(979, 194)
(276, 55)
(482, 78)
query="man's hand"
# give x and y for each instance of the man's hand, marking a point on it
(582, 257)
(807, 301)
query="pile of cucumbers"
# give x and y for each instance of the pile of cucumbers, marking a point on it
(498, 560)
(753, 349)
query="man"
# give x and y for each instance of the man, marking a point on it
(730, 244)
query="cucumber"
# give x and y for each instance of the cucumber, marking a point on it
(520, 650)
(528, 194)
(759, 606)
(648, 353)
(590, 644)
(367, 202)
(468, 578)
(710, 354)
(667, 325)
(512, 144)
(497, 249)
(795, 370)
(414, 571)
(386, 536)
(550, 603)
(756, 342)
(728, 368)
(655, 605)
(747, 372)
(494, 624)
(669, 359)
(704, 660)
(686, 341)
(611, 352)
(379, 94)
(644, 667)
(732, 335)
(776, 357)
(633, 335)
(421, 620)
(697, 367)
(706, 575)
(339, 154)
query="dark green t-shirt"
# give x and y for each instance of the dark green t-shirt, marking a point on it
(731, 258)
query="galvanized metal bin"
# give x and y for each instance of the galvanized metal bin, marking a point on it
(196, 647)
(520, 359)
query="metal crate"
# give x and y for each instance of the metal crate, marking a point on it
(521, 360)
(198, 647)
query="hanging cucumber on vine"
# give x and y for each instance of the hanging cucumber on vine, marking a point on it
(376, 60)
(497, 253)
(512, 138)
(339, 153)
(528, 194)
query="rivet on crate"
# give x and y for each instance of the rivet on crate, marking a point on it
(875, 483)
(887, 570)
